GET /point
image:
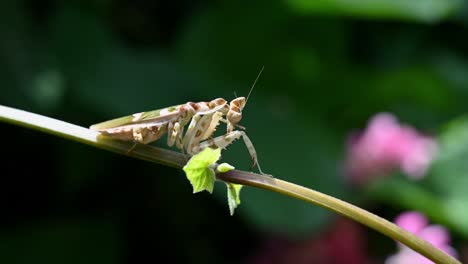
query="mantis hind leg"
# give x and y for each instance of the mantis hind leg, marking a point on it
(129, 151)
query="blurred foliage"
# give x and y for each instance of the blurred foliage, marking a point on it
(329, 66)
(55, 242)
(423, 11)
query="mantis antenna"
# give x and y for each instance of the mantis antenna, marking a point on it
(253, 85)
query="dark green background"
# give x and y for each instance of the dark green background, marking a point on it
(329, 66)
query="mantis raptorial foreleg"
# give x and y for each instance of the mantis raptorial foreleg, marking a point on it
(191, 132)
(199, 129)
(211, 128)
(202, 126)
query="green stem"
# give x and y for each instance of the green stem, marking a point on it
(341, 207)
(178, 160)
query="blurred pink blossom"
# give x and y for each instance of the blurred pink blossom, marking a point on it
(418, 224)
(386, 146)
(412, 221)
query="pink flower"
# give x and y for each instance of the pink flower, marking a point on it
(412, 221)
(386, 146)
(417, 224)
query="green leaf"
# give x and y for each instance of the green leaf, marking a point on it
(233, 195)
(199, 171)
(224, 167)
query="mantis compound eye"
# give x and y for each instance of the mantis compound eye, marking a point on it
(238, 104)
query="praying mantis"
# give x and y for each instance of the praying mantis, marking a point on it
(202, 118)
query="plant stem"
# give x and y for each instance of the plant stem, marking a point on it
(341, 207)
(178, 160)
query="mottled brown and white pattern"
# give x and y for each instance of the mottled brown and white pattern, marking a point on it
(204, 118)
